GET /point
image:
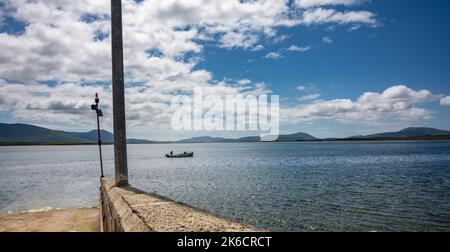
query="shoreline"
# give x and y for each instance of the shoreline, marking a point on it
(44, 209)
(52, 220)
(307, 141)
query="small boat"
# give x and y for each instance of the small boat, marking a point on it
(183, 155)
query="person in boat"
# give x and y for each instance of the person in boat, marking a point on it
(171, 153)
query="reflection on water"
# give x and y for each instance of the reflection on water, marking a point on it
(361, 186)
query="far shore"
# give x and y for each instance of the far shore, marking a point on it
(422, 138)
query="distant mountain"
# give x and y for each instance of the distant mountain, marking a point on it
(30, 134)
(282, 138)
(139, 141)
(405, 134)
(107, 137)
(24, 133)
(205, 139)
(296, 137)
(17, 134)
(409, 133)
(413, 132)
(249, 139)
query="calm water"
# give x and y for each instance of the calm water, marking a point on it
(376, 186)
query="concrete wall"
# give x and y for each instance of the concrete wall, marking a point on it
(117, 215)
(131, 210)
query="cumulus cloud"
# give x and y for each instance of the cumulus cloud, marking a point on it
(315, 3)
(280, 52)
(60, 43)
(445, 101)
(308, 87)
(257, 48)
(66, 102)
(327, 40)
(280, 39)
(323, 16)
(245, 82)
(294, 48)
(273, 55)
(68, 43)
(309, 97)
(395, 103)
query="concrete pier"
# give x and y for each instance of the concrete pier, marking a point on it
(131, 210)
(122, 209)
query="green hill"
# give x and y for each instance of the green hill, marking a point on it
(413, 132)
(282, 138)
(16, 134)
(408, 134)
(25, 134)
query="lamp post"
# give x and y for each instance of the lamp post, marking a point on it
(99, 114)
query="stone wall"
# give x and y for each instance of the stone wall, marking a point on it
(128, 209)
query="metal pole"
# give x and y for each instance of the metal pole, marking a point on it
(99, 114)
(100, 144)
(120, 139)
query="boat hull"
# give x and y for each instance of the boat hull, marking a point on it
(187, 155)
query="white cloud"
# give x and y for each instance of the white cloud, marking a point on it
(327, 40)
(245, 82)
(354, 28)
(280, 39)
(315, 3)
(395, 103)
(67, 102)
(239, 39)
(61, 44)
(306, 87)
(445, 101)
(309, 97)
(292, 48)
(147, 107)
(257, 48)
(273, 55)
(323, 16)
(295, 48)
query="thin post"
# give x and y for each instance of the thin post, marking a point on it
(100, 148)
(120, 139)
(99, 114)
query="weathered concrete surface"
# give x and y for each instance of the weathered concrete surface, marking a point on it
(64, 220)
(128, 209)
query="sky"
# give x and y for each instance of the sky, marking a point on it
(340, 67)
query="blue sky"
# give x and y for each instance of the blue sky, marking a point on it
(370, 46)
(410, 47)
